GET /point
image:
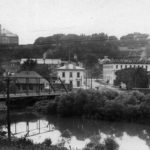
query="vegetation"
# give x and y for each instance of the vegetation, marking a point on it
(31, 65)
(108, 144)
(26, 144)
(132, 77)
(104, 105)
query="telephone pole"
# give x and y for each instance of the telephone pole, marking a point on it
(8, 109)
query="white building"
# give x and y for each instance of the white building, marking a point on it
(72, 74)
(44, 61)
(111, 67)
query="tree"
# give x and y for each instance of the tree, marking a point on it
(132, 77)
(29, 64)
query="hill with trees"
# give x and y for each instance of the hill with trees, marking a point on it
(84, 48)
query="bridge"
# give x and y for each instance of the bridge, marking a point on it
(27, 90)
(25, 86)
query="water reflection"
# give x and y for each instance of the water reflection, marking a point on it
(129, 136)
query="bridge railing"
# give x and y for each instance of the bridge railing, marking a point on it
(32, 85)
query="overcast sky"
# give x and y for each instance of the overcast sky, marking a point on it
(34, 18)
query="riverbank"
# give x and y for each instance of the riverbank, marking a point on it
(25, 144)
(103, 105)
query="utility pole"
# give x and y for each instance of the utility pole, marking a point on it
(8, 109)
(91, 80)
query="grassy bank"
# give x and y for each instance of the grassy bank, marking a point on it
(105, 105)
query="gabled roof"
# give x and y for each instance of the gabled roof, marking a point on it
(30, 77)
(70, 67)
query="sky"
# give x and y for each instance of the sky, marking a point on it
(30, 19)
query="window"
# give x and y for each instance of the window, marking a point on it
(78, 74)
(71, 82)
(63, 74)
(78, 83)
(146, 67)
(121, 66)
(70, 74)
(116, 66)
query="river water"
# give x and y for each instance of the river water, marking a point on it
(129, 136)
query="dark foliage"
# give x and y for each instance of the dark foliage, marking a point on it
(131, 106)
(132, 77)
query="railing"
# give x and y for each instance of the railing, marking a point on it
(31, 85)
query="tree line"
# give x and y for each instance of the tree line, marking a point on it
(84, 48)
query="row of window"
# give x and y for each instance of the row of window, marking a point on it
(70, 74)
(131, 66)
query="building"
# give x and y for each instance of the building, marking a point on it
(72, 74)
(11, 67)
(109, 68)
(30, 81)
(7, 37)
(41, 61)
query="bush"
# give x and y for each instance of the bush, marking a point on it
(106, 104)
(41, 106)
(110, 94)
(65, 105)
(47, 142)
(66, 134)
(52, 107)
(110, 144)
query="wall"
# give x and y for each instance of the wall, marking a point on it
(74, 77)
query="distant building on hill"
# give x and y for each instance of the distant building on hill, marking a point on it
(72, 74)
(8, 38)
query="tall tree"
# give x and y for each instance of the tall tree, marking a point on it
(132, 77)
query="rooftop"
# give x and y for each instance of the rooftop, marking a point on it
(43, 61)
(128, 61)
(70, 67)
(32, 76)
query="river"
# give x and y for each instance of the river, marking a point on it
(129, 136)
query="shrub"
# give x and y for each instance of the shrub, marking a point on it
(41, 106)
(110, 94)
(51, 107)
(47, 142)
(113, 110)
(65, 105)
(110, 144)
(66, 134)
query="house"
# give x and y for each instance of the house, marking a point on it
(11, 67)
(30, 81)
(110, 68)
(72, 74)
